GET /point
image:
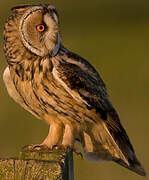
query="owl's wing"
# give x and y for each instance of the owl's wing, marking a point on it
(84, 84)
(91, 90)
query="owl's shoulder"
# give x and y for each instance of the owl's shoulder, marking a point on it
(77, 64)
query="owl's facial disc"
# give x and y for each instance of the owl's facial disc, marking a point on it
(39, 31)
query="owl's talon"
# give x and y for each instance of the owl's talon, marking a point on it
(29, 147)
(32, 147)
(78, 153)
(61, 147)
(55, 147)
(36, 147)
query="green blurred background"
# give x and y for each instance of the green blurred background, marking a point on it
(114, 36)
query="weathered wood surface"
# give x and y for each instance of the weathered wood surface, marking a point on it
(38, 165)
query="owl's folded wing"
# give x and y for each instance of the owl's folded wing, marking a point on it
(91, 90)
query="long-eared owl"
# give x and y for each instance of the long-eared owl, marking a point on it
(62, 88)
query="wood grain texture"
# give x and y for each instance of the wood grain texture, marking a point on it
(38, 165)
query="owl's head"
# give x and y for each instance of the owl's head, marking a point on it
(37, 27)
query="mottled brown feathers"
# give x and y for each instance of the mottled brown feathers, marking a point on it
(61, 88)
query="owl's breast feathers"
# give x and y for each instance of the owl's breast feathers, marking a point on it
(84, 84)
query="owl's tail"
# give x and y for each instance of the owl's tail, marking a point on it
(99, 145)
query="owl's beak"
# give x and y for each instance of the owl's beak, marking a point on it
(51, 7)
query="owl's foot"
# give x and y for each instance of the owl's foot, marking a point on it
(38, 147)
(62, 147)
(78, 153)
(68, 148)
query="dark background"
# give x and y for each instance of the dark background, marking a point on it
(114, 36)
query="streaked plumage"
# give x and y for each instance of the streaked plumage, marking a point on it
(62, 88)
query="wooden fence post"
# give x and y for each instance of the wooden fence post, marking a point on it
(38, 165)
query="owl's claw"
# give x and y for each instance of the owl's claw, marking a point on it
(38, 147)
(68, 148)
(62, 147)
(78, 153)
(55, 147)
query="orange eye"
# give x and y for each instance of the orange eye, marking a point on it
(41, 27)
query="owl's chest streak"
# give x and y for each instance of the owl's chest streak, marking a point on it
(44, 96)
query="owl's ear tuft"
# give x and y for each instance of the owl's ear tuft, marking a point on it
(19, 9)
